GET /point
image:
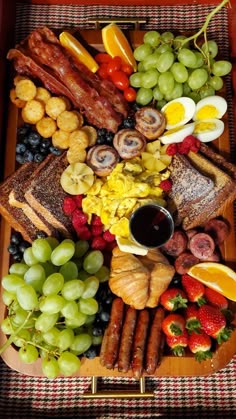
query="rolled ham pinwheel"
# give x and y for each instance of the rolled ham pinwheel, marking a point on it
(150, 122)
(102, 159)
(129, 143)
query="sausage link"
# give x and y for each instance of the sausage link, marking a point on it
(139, 346)
(154, 341)
(126, 342)
(103, 348)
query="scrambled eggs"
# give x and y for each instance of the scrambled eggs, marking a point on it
(127, 187)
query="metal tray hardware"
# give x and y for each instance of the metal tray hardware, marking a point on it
(135, 21)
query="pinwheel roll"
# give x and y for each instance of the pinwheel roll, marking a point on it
(102, 159)
(129, 143)
(150, 122)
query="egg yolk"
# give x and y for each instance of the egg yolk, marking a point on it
(174, 113)
(207, 112)
(203, 127)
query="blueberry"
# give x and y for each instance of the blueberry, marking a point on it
(41, 234)
(104, 316)
(12, 248)
(34, 138)
(109, 137)
(136, 106)
(23, 245)
(97, 331)
(20, 159)
(28, 156)
(17, 257)
(129, 122)
(91, 352)
(38, 157)
(25, 141)
(101, 132)
(45, 144)
(23, 131)
(56, 151)
(20, 148)
(16, 238)
(101, 140)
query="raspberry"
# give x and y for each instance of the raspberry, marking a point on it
(78, 200)
(166, 185)
(110, 246)
(171, 149)
(96, 220)
(68, 205)
(96, 230)
(196, 146)
(109, 237)
(182, 148)
(188, 143)
(98, 243)
(83, 232)
(79, 218)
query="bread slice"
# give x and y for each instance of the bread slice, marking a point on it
(45, 194)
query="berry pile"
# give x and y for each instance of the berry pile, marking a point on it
(32, 147)
(189, 143)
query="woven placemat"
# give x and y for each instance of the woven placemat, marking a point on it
(213, 396)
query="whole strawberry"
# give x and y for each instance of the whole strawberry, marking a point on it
(173, 298)
(191, 317)
(216, 299)
(178, 343)
(194, 289)
(200, 345)
(173, 325)
(213, 322)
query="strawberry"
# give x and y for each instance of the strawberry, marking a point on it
(191, 317)
(178, 343)
(216, 299)
(194, 289)
(200, 345)
(173, 298)
(173, 325)
(213, 322)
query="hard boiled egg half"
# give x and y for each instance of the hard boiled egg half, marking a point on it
(176, 135)
(178, 112)
(208, 129)
(210, 107)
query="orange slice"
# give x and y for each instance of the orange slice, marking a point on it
(72, 44)
(217, 276)
(116, 44)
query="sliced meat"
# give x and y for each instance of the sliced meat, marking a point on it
(202, 246)
(184, 262)
(126, 342)
(177, 244)
(190, 233)
(218, 230)
(140, 338)
(215, 257)
(154, 342)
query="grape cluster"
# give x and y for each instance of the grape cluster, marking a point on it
(171, 66)
(52, 299)
(32, 147)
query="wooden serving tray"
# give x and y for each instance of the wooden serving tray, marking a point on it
(170, 365)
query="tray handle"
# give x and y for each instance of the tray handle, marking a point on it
(94, 394)
(135, 21)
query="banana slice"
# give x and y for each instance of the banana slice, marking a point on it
(129, 246)
(77, 178)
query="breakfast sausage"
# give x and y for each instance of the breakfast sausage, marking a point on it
(190, 233)
(127, 336)
(177, 244)
(140, 338)
(218, 230)
(154, 342)
(202, 246)
(113, 333)
(184, 262)
(103, 348)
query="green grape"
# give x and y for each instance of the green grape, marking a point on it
(49, 268)
(83, 274)
(35, 276)
(216, 82)
(63, 253)
(150, 62)
(103, 274)
(29, 257)
(28, 354)
(51, 336)
(68, 363)
(96, 340)
(41, 250)
(163, 48)
(140, 67)
(65, 339)
(50, 367)
(37, 337)
(53, 284)
(186, 89)
(195, 96)
(142, 51)
(206, 91)
(6, 326)
(52, 304)
(221, 68)
(165, 61)
(21, 338)
(210, 47)
(175, 93)
(198, 78)
(18, 269)
(78, 320)
(19, 316)
(72, 289)
(150, 78)
(70, 310)
(167, 37)
(27, 297)
(144, 96)
(88, 306)
(179, 72)
(53, 242)
(166, 82)
(81, 343)
(199, 60)
(178, 42)
(8, 297)
(81, 247)
(11, 282)
(90, 319)
(93, 261)
(91, 286)
(160, 104)
(135, 79)
(78, 262)
(157, 95)
(45, 350)
(69, 270)
(152, 38)
(187, 57)
(45, 322)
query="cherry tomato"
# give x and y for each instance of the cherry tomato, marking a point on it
(120, 80)
(102, 57)
(130, 94)
(128, 69)
(114, 65)
(102, 71)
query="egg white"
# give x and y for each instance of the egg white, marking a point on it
(176, 135)
(178, 112)
(208, 129)
(210, 107)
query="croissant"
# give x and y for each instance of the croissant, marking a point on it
(140, 280)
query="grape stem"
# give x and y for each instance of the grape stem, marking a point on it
(14, 334)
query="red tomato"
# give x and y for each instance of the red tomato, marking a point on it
(102, 57)
(130, 94)
(102, 71)
(128, 69)
(114, 65)
(120, 80)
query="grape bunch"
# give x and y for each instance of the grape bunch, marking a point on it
(52, 300)
(172, 66)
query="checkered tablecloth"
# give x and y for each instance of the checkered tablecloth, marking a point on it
(213, 396)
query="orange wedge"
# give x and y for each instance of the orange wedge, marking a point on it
(72, 44)
(217, 276)
(116, 44)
